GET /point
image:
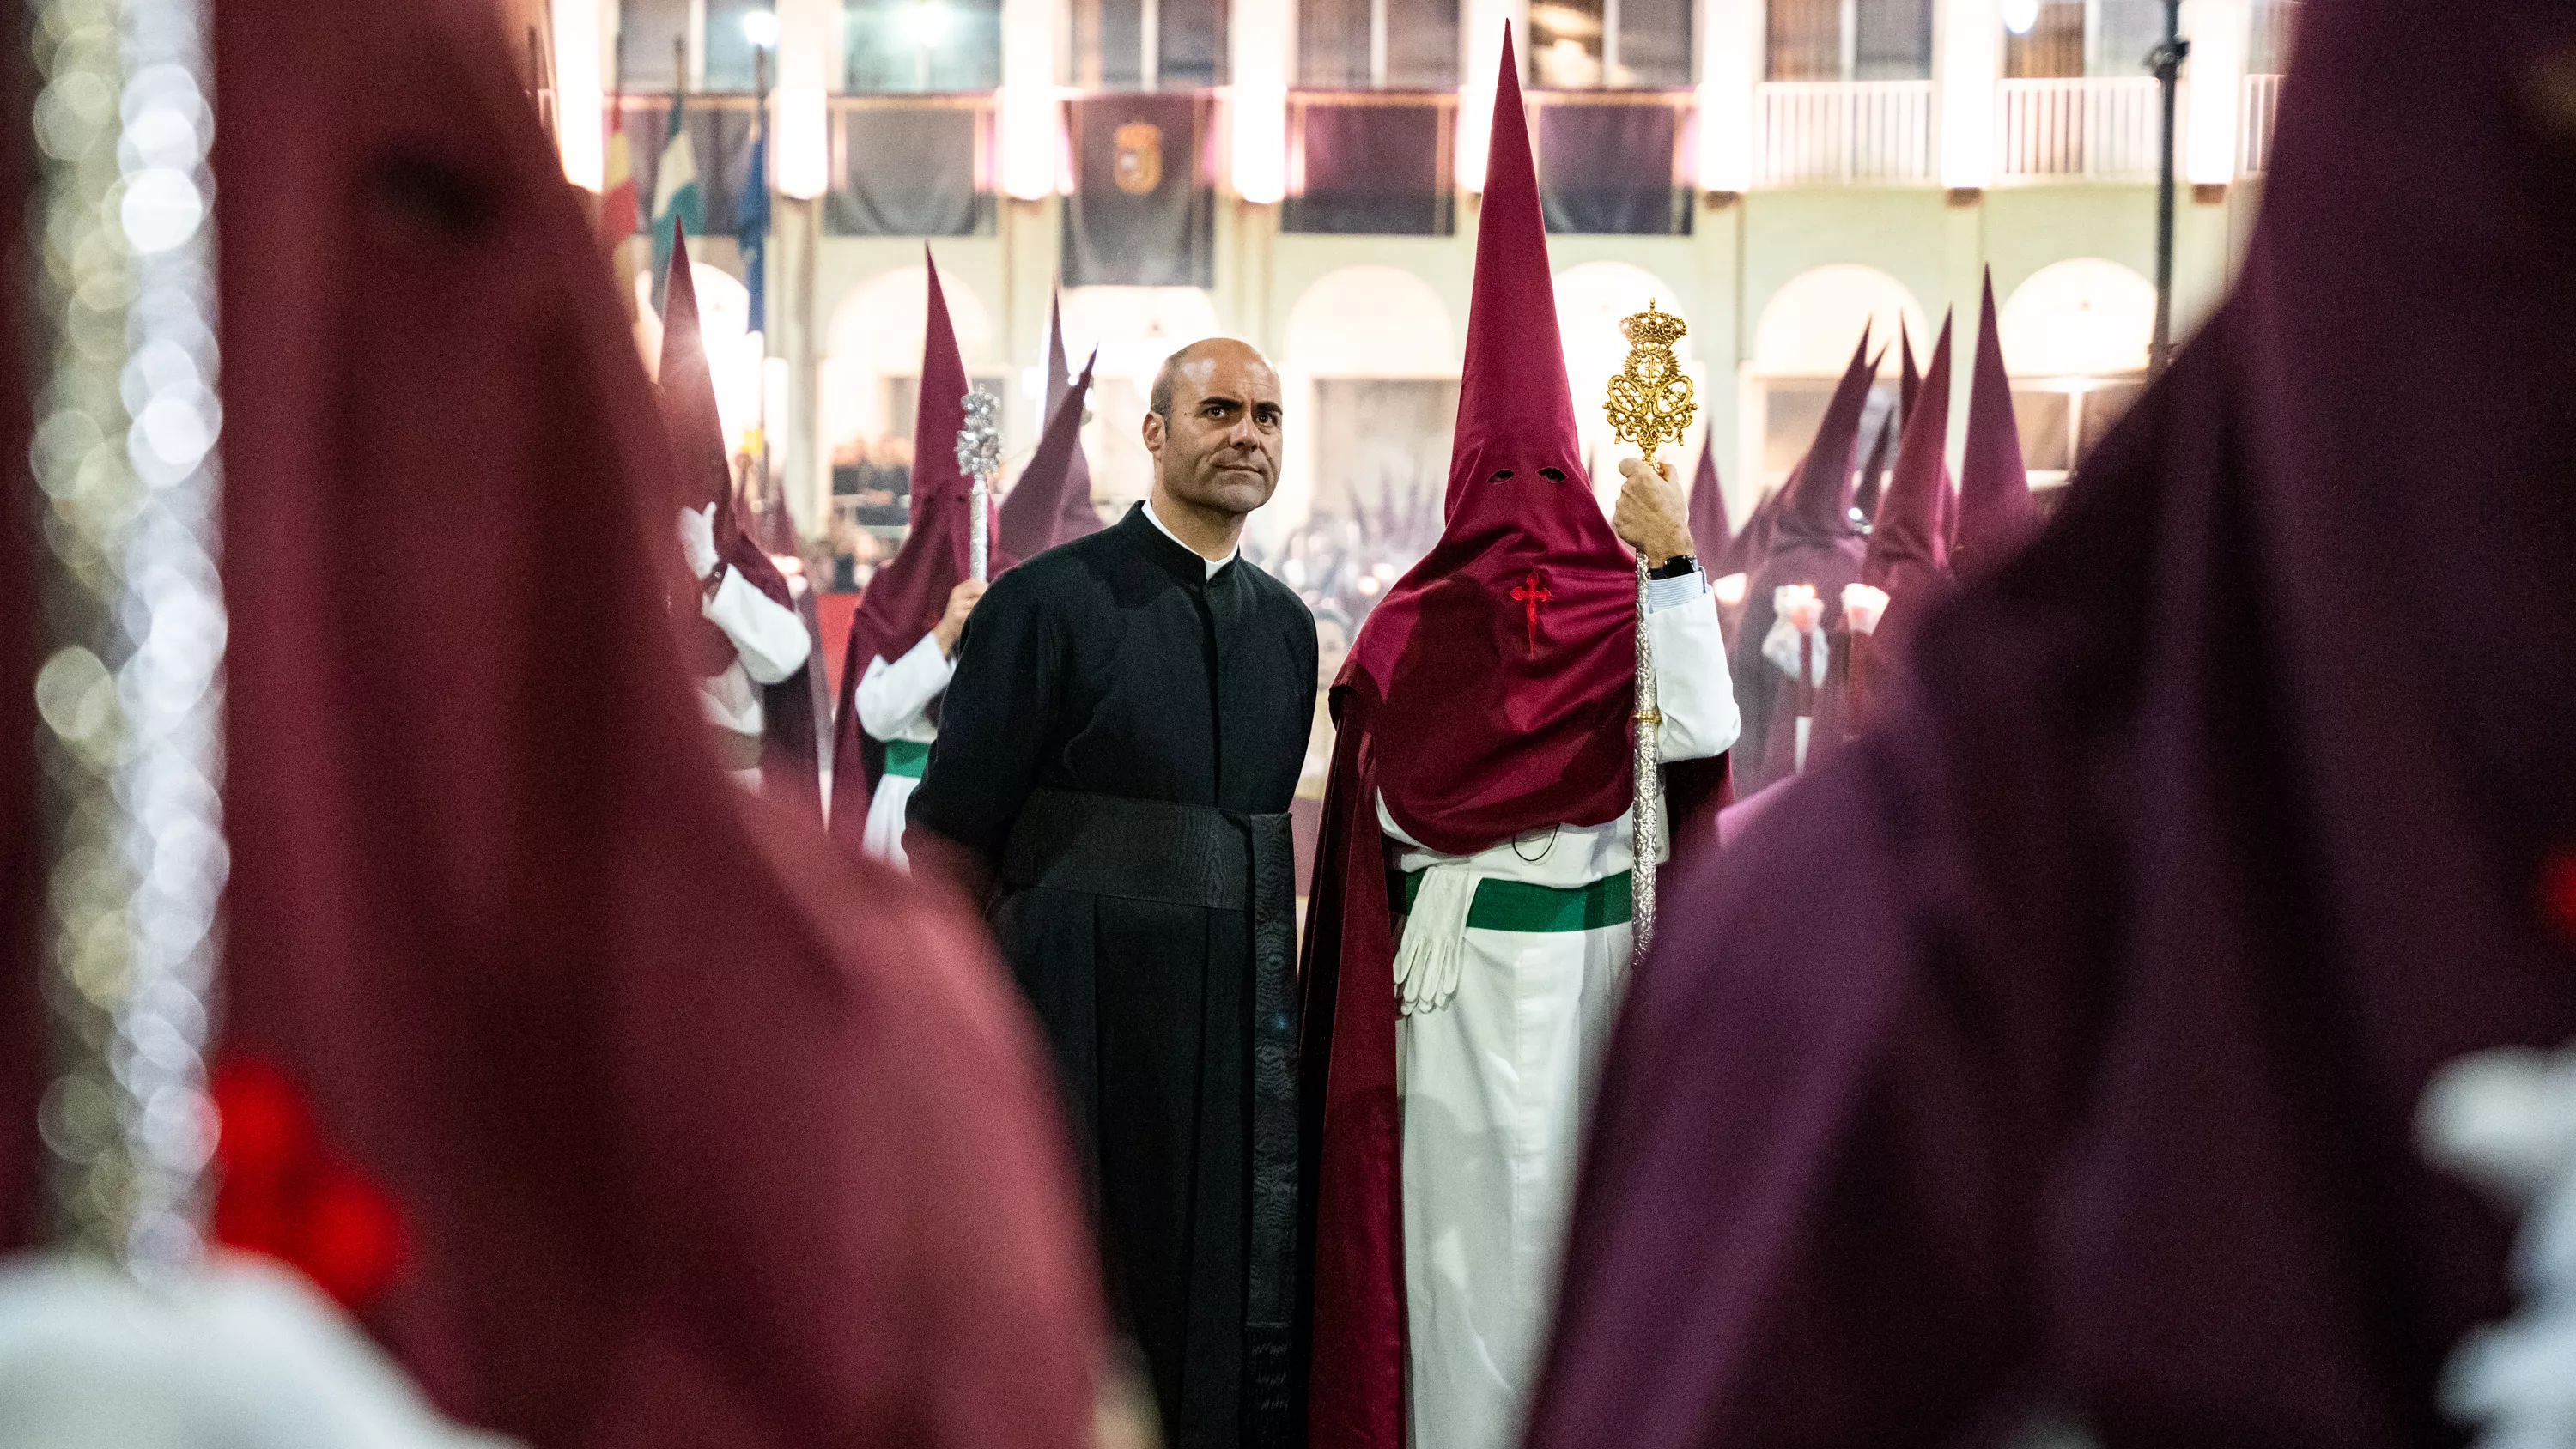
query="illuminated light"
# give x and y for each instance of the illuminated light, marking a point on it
(2217, 31)
(760, 27)
(1729, 589)
(1031, 118)
(579, 101)
(2020, 15)
(1970, 69)
(1264, 38)
(803, 125)
(930, 23)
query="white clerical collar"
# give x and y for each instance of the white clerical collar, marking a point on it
(1213, 564)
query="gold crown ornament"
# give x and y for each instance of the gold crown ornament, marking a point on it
(1651, 402)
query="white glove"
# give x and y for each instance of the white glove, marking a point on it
(1862, 606)
(1428, 959)
(698, 540)
(2507, 1120)
(1780, 646)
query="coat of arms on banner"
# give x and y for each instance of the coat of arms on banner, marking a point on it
(1139, 162)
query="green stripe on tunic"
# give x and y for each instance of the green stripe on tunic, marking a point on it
(1511, 905)
(908, 757)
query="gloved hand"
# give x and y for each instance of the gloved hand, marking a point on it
(698, 540)
(1428, 959)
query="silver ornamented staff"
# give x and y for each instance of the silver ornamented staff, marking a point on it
(1650, 403)
(979, 457)
(131, 692)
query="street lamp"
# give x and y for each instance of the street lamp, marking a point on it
(760, 27)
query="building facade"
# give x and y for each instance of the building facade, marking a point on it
(1304, 174)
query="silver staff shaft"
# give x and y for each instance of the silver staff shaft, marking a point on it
(1648, 815)
(131, 690)
(979, 530)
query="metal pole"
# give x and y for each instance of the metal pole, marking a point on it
(2166, 61)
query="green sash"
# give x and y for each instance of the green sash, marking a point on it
(907, 757)
(1511, 905)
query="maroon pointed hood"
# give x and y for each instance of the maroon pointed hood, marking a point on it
(1506, 657)
(1907, 529)
(1709, 531)
(1995, 512)
(1909, 382)
(908, 594)
(1873, 474)
(1079, 518)
(1818, 502)
(1034, 518)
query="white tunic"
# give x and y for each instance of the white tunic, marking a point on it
(769, 644)
(894, 702)
(1494, 1078)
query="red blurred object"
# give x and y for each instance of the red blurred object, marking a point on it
(283, 1193)
(2558, 895)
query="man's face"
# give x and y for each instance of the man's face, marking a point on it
(1220, 448)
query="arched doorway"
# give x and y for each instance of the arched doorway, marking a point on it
(2075, 339)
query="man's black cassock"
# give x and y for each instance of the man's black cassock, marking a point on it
(1113, 666)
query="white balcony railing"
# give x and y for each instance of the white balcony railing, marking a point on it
(2255, 124)
(2097, 128)
(1815, 132)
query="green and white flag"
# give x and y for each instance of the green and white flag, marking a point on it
(675, 193)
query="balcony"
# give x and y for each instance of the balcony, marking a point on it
(1810, 133)
(2090, 128)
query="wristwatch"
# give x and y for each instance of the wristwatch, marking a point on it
(1680, 565)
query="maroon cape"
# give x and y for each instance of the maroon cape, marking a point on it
(2199, 851)
(701, 1137)
(1489, 694)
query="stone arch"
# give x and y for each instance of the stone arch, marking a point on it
(1809, 326)
(2084, 317)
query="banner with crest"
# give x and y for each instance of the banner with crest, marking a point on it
(1142, 208)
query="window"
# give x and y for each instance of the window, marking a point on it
(2107, 38)
(720, 56)
(1404, 44)
(2061, 423)
(1583, 44)
(1131, 45)
(921, 45)
(1887, 40)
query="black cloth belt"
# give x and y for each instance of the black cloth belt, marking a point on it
(1198, 855)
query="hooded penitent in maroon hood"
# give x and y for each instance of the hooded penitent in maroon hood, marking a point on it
(749, 644)
(698, 1137)
(2064, 1041)
(1907, 558)
(1995, 512)
(1484, 753)
(1812, 543)
(1709, 530)
(896, 668)
(1051, 502)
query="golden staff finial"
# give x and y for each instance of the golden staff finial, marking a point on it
(1651, 402)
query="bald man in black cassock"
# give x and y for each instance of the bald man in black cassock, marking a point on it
(1115, 761)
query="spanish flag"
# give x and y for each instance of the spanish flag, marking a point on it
(617, 218)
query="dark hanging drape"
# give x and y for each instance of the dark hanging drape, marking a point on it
(908, 171)
(1612, 167)
(1377, 168)
(1143, 208)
